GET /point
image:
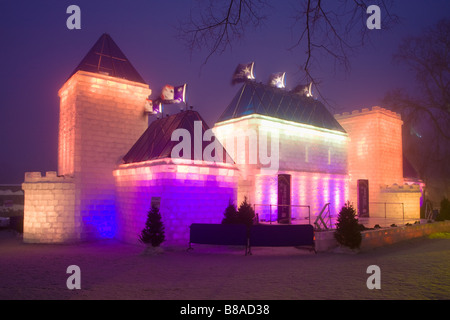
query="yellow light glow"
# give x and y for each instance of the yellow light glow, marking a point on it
(270, 123)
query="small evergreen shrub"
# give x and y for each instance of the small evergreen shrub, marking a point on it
(153, 233)
(230, 214)
(348, 231)
(245, 213)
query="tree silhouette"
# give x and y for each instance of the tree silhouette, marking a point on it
(153, 233)
(426, 113)
(333, 28)
(347, 228)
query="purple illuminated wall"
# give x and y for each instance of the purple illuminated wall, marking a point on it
(315, 158)
(189, 194)
(307, 189)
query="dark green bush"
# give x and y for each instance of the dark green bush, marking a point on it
(230, 214)
(244, 215)
(444, 211)
(153, 233)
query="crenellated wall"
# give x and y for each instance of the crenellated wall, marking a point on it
(93, 196)
(100, 119)
(50, 203)
(402, 201)
(375, 153)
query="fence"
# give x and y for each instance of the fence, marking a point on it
(381, 213)
(393, 208)
(269, 212)
(386, 214)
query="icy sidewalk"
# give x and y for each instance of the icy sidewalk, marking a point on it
(414, 269)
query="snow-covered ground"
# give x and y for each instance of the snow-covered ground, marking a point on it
(416, 269)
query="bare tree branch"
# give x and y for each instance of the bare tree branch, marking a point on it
(428, 56)
(216, 27)
(324, 29)
(426, 113)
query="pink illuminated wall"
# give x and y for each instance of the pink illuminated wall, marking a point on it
(375, 150)
(100, 119)
(67, 118)
(310, 189)
(315, 158)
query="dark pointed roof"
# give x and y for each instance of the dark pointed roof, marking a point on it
(105, 57)
(258, 98)
(156, 142)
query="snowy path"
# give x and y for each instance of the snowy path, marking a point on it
(417, 269)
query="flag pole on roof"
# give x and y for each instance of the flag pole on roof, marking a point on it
(278, 80)
(169, 95)
(303, 90)
(153, 106)
(243, 72)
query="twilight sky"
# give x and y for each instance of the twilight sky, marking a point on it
(38, 53)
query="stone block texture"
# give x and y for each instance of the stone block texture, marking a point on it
(264, 147)
(375, 153)
(189, 193)
(100, 119)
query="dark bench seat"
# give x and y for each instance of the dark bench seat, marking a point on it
(281, 236)
(219, 234)
(257, 236)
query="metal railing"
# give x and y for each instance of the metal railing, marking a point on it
(391, 203)
(273, 211)
(323, 218)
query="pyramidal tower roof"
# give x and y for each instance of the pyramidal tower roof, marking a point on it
(156, 142)
(105, 57)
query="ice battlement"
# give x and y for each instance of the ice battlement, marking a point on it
(49, 176)
(365, 111)
(402, 188)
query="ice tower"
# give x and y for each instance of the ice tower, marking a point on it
(101, 116)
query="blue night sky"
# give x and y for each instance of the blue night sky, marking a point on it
(38, 53)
